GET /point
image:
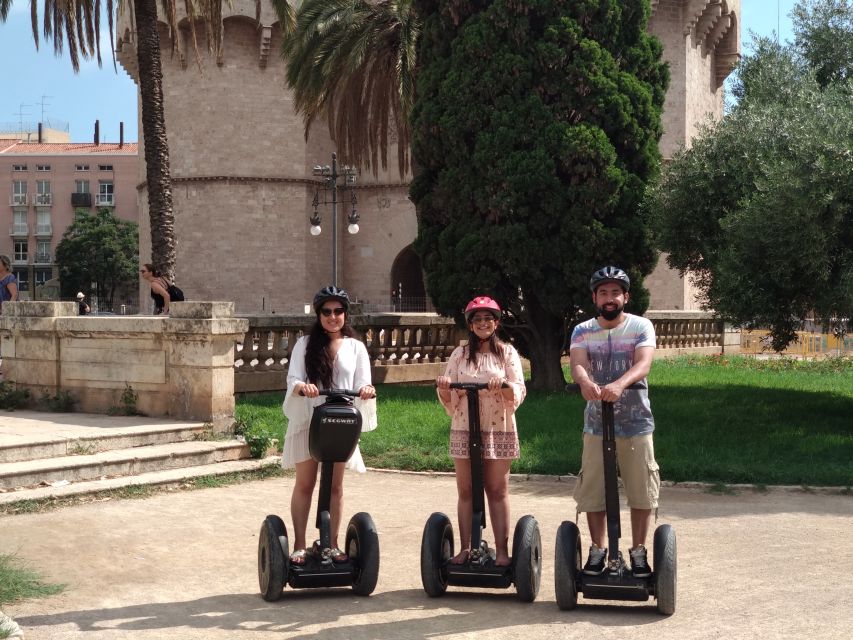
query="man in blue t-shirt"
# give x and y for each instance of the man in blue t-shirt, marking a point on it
(608, 354)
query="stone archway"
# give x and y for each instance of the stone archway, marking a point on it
(407, 283)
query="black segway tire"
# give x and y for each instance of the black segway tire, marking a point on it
(273, 558)
(436, 551)
(665, 569)
(567, 564)
(527, 558)
(362, 547)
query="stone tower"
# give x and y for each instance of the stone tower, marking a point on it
(242, 168)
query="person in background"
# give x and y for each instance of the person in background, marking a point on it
(8, 281)
(159, 288)
(82, 308)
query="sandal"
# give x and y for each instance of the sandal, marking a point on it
(298, 557)
(338, 556)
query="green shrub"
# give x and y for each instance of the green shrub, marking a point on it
(12, 398)
(62, 402)
(127, 406)
(258, 437)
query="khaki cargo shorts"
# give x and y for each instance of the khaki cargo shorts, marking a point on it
(637, 468)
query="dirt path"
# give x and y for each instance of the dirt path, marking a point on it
(183, 566)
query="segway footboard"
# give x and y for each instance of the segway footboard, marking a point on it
(615, 586)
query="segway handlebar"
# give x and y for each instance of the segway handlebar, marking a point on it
(574, 387)
(336, 392)
(474, 386)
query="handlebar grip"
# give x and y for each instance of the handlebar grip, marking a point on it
(336, 392)
(474, 386)
(574, 387)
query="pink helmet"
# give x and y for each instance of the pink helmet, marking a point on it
(482, 302)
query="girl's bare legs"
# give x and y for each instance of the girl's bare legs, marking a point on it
(301, 499)
(496, 478)
(463, 508)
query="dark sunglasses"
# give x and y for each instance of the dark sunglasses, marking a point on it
(338, 311)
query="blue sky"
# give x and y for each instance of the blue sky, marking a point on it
(37, 84)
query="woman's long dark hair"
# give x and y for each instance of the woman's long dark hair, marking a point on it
(496, 346)
(318, 358)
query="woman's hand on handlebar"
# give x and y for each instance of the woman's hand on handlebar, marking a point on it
(308, 390)
(496, 383)
(443, 382)
(367, 392)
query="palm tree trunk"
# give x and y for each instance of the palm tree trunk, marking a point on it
(156, 143)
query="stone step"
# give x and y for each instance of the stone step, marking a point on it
(95, 440)
(119, 462)
(153, 478)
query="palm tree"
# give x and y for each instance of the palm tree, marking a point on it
(354, 61)
(78, 24)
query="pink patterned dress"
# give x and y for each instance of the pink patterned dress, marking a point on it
(497, 415)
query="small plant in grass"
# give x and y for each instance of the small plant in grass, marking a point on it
(12, 398)
(81, 449)
(62, 402)
(259, 438)
(19, 583)
(127, 403)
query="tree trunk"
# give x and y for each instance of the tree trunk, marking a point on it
(541, 341)
(157, 173)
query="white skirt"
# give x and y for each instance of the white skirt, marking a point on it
(296, 450)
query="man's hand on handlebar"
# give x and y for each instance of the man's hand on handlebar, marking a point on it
(612, 392)
(590, 390)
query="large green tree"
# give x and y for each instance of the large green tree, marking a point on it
(535, 130)
(77, 25)
(760, 209)
(98, 249)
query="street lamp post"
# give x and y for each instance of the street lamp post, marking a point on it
(330, 176)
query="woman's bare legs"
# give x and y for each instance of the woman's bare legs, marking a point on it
(301, 498)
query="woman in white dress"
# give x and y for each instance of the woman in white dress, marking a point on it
(329, 357)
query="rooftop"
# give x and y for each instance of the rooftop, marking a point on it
(14, 147)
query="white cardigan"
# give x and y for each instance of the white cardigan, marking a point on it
(351, 370)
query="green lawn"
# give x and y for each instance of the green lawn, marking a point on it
(727, 420)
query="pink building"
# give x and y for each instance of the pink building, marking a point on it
(42, 184)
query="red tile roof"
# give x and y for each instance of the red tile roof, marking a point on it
(12, 147)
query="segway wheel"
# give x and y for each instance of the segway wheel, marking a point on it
(567, 564)
(665, 569)
(436, 551)
(362, 546)
(527, 558)
(273, 558)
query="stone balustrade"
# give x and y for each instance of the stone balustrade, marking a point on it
(414, 347)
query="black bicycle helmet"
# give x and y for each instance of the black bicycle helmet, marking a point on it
(331, 293)
(610, 274)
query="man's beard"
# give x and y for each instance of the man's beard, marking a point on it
(610, 314)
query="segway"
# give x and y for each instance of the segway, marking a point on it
(525, 567)
(617, 582)
(333, 436)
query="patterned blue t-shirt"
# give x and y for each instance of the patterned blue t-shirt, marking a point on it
(611, 354)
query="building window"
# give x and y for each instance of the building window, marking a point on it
(42, 276)
(19, 222)
(42, 167)
(23, 282)
(19, 192)
(81, 186)
(105, 167)
(42, 252)
(21, 251)
(81, 167)
(19, 167)
(105, 193)
(43, 222)
(43, 192)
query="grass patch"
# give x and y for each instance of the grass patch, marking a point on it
(137, 492)
(727, 420)
(18, 582)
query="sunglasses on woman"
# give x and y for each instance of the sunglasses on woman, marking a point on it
(338, 311)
